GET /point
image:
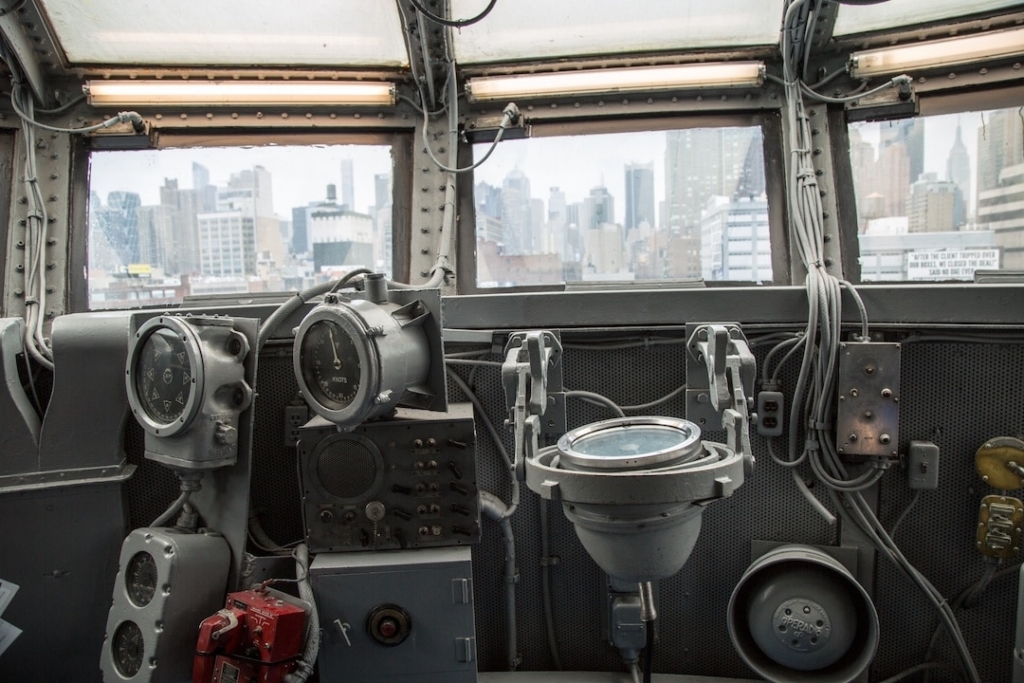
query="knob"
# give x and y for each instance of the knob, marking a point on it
(389, 625)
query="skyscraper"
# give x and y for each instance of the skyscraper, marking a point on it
(958, 171)
(121, 225)
(516, 213)
(348, 191)
(598, 209)
(640, 195)
(701, 163)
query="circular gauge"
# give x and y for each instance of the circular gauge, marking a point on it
(355, 360)
(331, 365)
(165, 375)
(164, 378)
(631, 443)
(127, 649)
(140, 579)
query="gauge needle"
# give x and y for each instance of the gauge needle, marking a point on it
(334, 349)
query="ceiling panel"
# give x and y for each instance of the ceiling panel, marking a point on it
(229, 33)
(901, 13)
(542, 29)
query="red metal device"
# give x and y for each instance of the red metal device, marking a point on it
(256, 638)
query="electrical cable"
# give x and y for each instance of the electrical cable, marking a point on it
(592, 397)
(894, 82)
(173, 510)
(492, 507)
(489, 426)
(509, 116)
(926, 666)
(474, 363)
(347, 280)
(60, 109)
(649, 653)
(456, 23)
(903, 515)
(545, 581)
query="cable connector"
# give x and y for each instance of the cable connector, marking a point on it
(511, 113)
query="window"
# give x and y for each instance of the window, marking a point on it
(164, 224)
(939, 197)
(652, 205)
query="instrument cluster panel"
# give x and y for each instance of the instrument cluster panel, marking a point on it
(408, 481)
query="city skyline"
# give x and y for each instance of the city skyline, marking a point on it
(301, 174)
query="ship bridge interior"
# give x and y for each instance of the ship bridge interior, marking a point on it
(446, 341)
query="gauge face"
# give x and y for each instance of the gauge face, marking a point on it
(140, 578)
(164, 376)
(631, 443)
(330, 365)
(127, 649)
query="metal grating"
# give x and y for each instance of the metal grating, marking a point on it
(954, 394)
(346, 468)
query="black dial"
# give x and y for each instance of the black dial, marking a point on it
(140, 578)
(330, 365)
(164, 376)
(127, 649)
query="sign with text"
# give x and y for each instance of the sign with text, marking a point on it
(950, 265)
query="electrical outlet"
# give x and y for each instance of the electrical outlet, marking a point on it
(294, 418)
(769, 413)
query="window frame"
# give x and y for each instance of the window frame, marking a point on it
(770, 123)
(400, 142)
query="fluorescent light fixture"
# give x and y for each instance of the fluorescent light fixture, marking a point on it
(239, 93)
(609, 81)
(938, 53)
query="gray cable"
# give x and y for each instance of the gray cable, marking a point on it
(597, 398)
(545, 581)
(905, 513)
(489, 426)
(494, 508)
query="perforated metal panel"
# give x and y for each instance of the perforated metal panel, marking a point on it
(346, 468)
(956, 395)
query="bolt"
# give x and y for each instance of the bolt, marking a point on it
(984, 478)
(869, 370)
(868, 414)
(884, 439)
(852, 437)
(886, 393)
(854, 393)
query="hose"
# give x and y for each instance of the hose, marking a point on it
(304, 667)
(493, 507)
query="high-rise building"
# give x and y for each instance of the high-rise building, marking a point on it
(1000, 146)
(348, 189)
(121, 225)
(227, 244)
(516, 213)
(701, 163)
(206, 192)
(382, 221)
(735, 242)
(598, 209)
(1000, 210)
(639, 195)
(893, 179)
(183, 259)
(156, 237)
(863, 164)
(932, 204)
(488, 213)
(958, 171)
(250, 192)
(909, 134)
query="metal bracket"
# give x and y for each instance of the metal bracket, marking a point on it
(529, 358)
(720, 377)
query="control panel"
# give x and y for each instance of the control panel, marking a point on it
(408, 481)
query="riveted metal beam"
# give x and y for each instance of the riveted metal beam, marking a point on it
(18, 35)
(53, 151)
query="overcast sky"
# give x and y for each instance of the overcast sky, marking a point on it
(573, 163)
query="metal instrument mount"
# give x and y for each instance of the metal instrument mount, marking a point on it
(720, 378)
(529, 356)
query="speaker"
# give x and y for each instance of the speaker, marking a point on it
(797, 615)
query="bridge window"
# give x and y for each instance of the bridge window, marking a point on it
(685, 204)
(939, 197)
(169, 223)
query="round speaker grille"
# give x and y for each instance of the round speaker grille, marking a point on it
(347, 469)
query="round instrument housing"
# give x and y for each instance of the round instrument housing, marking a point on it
(355, 359)
(165, 375)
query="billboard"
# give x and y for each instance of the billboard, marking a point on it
(950, 265)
